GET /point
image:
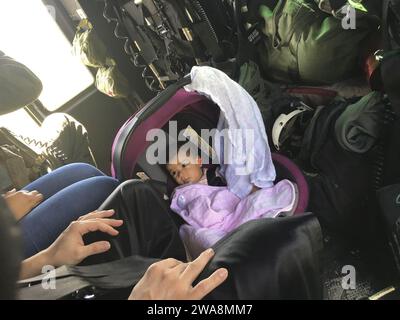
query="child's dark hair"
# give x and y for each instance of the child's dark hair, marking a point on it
(179, 144)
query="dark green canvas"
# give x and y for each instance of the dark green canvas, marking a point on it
(19, 86)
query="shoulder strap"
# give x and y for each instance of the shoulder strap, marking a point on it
(318, 131)
(309, 135)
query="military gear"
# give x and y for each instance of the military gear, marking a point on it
(19, 85)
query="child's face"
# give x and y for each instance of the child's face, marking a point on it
(185, 170)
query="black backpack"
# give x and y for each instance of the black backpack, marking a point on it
(389, 192)
(340, 181)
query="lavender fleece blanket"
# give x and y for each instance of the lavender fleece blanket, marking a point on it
(213, 212)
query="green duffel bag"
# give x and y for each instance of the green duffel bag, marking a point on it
(110, 81)
(88, 47)
(303, 44)
(19, 86)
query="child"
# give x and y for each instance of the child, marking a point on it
(185, 168)
(210, 209)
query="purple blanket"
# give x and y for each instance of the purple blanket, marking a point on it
(212, 212)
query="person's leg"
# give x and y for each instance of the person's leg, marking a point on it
(265, 258)
(53, 182)
(46, 222)
(149, 229)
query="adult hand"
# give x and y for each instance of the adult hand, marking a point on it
(172, 280)
(22, 202)
(69, 248)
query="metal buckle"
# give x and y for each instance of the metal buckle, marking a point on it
(324, 5)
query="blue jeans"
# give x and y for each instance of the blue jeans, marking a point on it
(69, 192)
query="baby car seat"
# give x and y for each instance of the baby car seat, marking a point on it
(187, 108)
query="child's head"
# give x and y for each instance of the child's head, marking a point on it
(185, 167)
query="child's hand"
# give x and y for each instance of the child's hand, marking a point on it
(255, 189)
(22, 202)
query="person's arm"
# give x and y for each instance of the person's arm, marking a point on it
(69, 248)
(171, 279)
(32, 266)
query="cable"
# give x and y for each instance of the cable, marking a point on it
(148, 76)
(42, 153)
(203, 15)
(32, 142)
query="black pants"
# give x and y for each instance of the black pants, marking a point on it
(266, 258)
(149, 229)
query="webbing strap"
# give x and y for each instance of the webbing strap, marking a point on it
(63, 287)
(118, 274)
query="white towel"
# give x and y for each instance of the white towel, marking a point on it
(248, 145)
